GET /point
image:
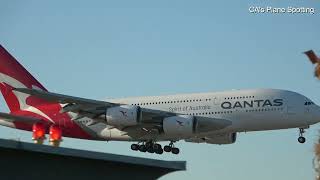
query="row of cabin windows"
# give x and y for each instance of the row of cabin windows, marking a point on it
(265, 109)
(239, 97)
(206, 113)
(171, 102)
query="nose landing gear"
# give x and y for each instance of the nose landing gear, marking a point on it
(301, 139)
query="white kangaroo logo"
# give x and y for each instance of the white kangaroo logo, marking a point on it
(22, 97)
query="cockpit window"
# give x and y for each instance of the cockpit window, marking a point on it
(308, 103)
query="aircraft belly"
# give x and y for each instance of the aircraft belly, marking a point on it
(261, 121)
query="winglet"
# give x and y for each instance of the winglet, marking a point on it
(312, 56)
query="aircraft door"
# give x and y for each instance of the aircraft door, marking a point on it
(216, 101)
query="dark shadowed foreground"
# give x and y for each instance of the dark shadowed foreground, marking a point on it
(22, 160)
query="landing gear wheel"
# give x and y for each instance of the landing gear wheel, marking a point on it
(134, 147)
(159, 151)
(150, 150)
(142, 148)
(302, 139)
(149, 144)
(156, 147)
(175, 151)
(167, 148)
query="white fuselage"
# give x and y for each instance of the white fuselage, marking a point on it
(248, 110)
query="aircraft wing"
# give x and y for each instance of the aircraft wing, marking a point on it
(15, 118)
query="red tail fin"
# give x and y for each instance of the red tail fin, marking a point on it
(14, 75)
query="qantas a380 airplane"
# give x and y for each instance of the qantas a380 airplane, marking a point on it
(213, 118)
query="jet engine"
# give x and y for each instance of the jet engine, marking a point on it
(180, 126)
(125, 115)
(186, 126)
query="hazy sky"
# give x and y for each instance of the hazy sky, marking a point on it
(106, 49)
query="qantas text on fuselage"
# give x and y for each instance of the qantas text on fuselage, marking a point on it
(252, 104)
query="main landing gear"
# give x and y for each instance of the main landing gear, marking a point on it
(301, 139)
(152, 147)
(171, 148)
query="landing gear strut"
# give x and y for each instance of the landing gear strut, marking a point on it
(301, 139)
(153, 147)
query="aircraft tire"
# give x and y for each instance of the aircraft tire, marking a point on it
(159, 151)
(167, 148)
(302, 139)
(142, 148)
(175, 151)
(134, 147)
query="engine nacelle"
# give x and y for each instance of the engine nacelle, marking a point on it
(222, 138)
(186, 126)
(179, 126)
(125, 115)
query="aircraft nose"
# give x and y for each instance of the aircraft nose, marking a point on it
(315, 115)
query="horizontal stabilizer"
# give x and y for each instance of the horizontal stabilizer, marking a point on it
(15, 118)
